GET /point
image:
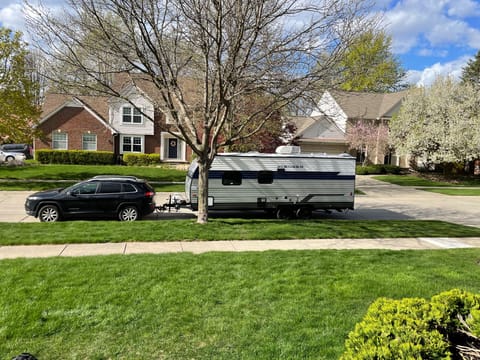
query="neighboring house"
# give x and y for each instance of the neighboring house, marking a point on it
(325, 130)
(319, 134)
(109, 124)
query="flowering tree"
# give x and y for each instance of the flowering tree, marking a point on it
(439, 124)
(369, 137)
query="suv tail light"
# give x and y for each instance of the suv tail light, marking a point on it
(149, 194)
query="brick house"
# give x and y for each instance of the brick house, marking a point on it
(109, 124)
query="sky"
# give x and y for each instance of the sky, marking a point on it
(429, 37)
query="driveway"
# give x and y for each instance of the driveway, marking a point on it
(382, 201)
(387, 201)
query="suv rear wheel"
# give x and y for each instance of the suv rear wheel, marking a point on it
(49, 213)
(128, 213)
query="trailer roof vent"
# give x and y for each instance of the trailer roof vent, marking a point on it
(288, 149)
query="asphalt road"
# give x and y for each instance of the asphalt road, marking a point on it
(382, 201)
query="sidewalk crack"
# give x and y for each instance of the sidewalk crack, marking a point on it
(63, 250)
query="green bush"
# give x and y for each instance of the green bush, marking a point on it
(141, 159)
(378, 169)
(396, 329)
(76, 157)
(415, 328)
(448, 306)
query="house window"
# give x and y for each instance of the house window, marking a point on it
(59, 140)
(132, 144)
(172, 148)
(131, 115)
(89, 142)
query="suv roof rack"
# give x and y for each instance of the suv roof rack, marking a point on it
(116, 177)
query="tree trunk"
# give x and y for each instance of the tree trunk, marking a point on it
(203, 168)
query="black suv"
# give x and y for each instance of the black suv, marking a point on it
(125, 197)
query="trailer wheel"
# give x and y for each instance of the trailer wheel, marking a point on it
(305, 212)
(284, 213)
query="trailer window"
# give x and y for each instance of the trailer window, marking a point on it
(265, 177)
(232, 178)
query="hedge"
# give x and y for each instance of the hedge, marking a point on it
(77, 157)
(443, 328)
(378, 169)
(131, 159)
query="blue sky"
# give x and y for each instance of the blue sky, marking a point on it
(430, 37)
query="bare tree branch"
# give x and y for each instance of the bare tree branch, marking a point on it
(204, 57)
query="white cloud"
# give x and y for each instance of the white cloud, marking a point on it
(431, 23)
(11, 16)
(464, 8)
(429, 74)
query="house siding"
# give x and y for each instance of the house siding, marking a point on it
(331, 149)
(329, 107)
(145, 128)
(75, 121)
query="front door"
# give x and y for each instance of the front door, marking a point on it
(172, 148)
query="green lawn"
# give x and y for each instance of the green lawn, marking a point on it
(455, 192)
(410, 180)
(81, 172)
(29, 185)
(269, 305)
(223, 229)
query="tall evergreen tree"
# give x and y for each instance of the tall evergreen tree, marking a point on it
(471, 72)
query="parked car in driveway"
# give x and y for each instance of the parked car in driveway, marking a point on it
(7, 157)
(18, 148)
(124, 197)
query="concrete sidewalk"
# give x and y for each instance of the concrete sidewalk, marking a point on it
(198, 247)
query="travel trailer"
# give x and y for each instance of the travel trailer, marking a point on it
(288, 183)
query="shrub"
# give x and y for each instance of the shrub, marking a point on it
(77, 157)
(378, 169)
(141, 159)
(396, 329)
(417, 328)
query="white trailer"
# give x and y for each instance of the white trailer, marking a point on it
(288, 183)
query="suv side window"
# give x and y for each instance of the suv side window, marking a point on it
(128, 188)
(110, 187)
(85, 189)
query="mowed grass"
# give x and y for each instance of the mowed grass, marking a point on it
(29, 185)
(223, 229)
(455, 192)
(269, 305)
(81, 172)
(410, 180)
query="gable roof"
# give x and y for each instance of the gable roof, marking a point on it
(317, 128)
(97, 106)
(367, 105)
(189, 87)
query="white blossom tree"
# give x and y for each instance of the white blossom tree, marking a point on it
(229, 50)
(440, 124)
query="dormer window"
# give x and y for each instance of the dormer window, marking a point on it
(131, 115)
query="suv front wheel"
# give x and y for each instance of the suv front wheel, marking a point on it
(49, 213)
(128, 213)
